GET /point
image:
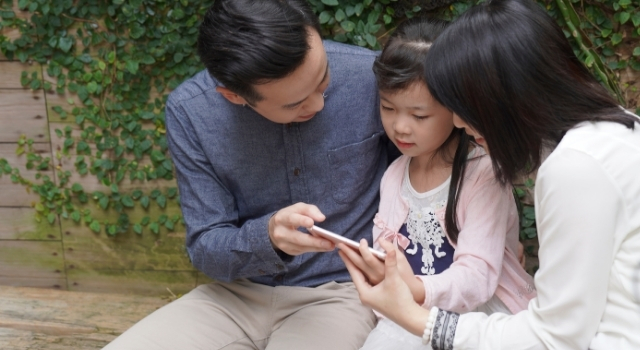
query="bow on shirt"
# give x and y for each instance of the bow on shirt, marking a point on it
(397, 238)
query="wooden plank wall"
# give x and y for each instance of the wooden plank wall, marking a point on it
(65, 255)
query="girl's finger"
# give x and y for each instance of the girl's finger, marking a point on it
(356, 275)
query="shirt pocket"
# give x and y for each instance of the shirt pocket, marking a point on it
(354, 167)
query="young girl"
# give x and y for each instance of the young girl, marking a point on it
(441, 181)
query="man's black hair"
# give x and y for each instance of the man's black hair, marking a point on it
(243, 43)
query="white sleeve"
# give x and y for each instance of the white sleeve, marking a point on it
(576, 210)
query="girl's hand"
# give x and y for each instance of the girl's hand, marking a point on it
(367, 263)
(374, 269)
(392, 296)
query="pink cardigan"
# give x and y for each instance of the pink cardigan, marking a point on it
(485, 260)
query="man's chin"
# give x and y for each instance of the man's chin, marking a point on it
(304, 118)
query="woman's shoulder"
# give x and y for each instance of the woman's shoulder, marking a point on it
(607, 144)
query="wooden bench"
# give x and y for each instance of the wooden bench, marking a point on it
(46, 319)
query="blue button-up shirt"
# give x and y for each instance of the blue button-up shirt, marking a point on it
(235, 169)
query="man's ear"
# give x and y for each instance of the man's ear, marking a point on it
(231, 96)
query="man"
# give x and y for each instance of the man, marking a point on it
(280, 133)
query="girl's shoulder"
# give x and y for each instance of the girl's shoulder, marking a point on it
(479, 165)
(397, 167)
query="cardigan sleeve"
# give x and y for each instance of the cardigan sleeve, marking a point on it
(483, 217)
(577, 208)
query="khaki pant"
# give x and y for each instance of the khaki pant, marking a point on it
(246, 315)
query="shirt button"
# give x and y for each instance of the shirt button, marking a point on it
(261, 272)
(280, 267)
(296, 171)
(279, 278)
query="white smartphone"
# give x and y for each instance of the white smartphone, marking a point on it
(336, 238)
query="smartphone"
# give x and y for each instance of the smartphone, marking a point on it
(336, 238)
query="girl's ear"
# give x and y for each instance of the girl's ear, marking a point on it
(231, 96)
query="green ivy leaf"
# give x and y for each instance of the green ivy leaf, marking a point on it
(132, 67)
(530, 232)
(7, 14)
(92, 87)
(127, 201)
(348, 26)
(624, 17)
(103, 202)
(350, 11)
(529, 213)
(371, 40)
(624, 3)
(137, 228)
(65, 43)
(154, 227)
(330, 2)
(636, 51)
(136, 31)
(144, 201)
(616, 38)
(95, 226)
(162, 201)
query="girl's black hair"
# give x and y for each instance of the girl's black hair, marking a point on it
(507, 70)
(402, 63)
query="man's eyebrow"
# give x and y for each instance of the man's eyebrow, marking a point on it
(295, 104)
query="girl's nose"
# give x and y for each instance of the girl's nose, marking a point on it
(401, 126)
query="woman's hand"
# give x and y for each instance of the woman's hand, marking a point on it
(392, 296)
(374, 269)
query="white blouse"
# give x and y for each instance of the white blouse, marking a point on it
(587, 200)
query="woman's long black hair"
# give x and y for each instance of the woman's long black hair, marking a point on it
(507, 70)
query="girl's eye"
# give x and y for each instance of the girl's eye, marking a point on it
(386, 108)
(421, 117)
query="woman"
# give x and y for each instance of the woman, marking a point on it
(513, 82)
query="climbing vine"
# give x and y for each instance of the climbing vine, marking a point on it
(115, 61)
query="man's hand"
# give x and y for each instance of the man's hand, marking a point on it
(284, 234)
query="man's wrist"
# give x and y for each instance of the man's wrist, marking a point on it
(281, 254)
